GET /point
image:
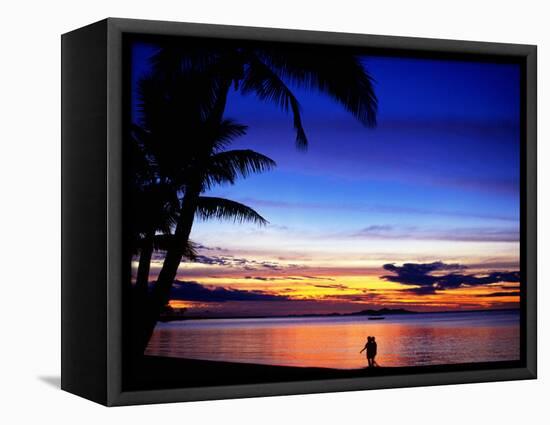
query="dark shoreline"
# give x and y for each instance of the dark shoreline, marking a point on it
(356, 314)
(155, 372)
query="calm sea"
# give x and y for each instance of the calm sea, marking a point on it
(405, 340)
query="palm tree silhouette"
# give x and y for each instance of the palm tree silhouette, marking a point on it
(154, 205)
(267, 71)
(194, 165)
(190, 91)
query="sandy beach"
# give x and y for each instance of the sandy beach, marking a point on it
(154, 372)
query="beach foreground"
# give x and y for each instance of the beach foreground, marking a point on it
(155, 372)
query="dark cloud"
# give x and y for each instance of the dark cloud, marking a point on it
(332, 286)
(157, 256)
(246, 264)
(501, 294)
(279, 227)
(376, 229)
(209, 248)
(420, 276)
(193, 291)
(477, 234)
(366, 296)
(213, 260)
(262, 278)
(272, 266)
(318, 278)
(506, 287)
(485, 234)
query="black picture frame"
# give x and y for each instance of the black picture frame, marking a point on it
(92, 164)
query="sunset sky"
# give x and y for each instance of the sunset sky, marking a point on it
(421, 212)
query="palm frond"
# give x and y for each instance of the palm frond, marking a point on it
(267, 85)
(167, 242)
(155, 208)
(226, 132)
(225, 209)
(141, 163)
(190, 250)
(227, 166)
(339, 74)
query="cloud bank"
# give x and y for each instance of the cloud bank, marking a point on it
(244, 263)
(193, 291)
(474, 234)
(424, 282)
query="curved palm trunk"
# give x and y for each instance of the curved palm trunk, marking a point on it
(161, 291)
(142, 279)
(139, 294)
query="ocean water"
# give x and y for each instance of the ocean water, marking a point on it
(335, 342)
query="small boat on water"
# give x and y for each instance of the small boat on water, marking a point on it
(376, 318)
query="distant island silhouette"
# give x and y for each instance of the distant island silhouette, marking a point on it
(174, 316)
(382, 312)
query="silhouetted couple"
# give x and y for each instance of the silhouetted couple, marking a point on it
(370, 347)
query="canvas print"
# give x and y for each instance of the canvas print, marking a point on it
(300, 212)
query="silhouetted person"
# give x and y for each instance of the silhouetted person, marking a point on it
(371, 352)
(367, 348)
(370, 347)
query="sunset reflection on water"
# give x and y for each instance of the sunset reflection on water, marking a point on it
(335, 342)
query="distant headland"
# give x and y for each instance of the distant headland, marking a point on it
(176, 314)
(381, 312)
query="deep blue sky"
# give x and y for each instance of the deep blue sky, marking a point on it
(444, 156)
